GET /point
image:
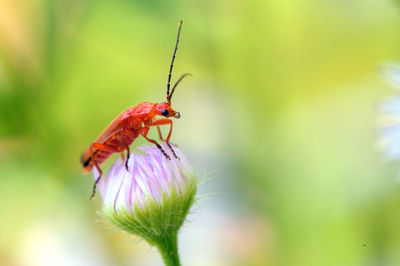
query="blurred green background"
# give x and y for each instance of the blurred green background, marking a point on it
(280, 114)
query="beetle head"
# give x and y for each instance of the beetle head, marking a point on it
(164, 109)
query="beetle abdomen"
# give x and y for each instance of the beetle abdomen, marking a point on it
(114, 145)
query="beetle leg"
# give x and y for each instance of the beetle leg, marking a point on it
(128, 151)
(159, 133)
(144, 132)
(161, 137)
(98, 169)
(99, 147)
(165, 121)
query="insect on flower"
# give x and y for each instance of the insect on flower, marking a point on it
(131, 123)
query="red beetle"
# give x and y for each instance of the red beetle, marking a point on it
(131, 123)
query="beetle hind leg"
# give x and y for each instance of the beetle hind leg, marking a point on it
(103, 147)
(95, 186)
(100, 173)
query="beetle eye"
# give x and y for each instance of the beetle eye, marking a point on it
(164, 112)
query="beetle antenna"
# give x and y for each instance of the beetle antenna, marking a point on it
(173, 59)
(176, 84)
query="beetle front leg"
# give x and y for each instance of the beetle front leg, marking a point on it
(144, 132)
(165, 121)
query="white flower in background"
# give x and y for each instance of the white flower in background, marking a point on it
(152, 199)
(389, 129)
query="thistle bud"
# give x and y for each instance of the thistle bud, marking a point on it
(152, 199)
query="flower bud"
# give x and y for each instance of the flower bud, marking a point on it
(152, 199)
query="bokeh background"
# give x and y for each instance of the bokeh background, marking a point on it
(280, 117)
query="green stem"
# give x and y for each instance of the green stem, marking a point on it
(168, 248)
